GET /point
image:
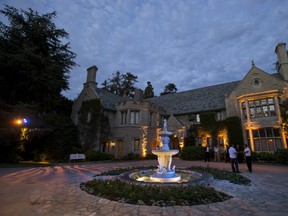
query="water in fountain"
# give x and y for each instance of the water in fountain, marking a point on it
(165, 173)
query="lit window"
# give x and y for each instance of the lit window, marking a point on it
(220, 116)
(260, 108)
(266, 139)
(198, 118)
(265, 111)
(272, 110)
(252, 112)
(136, 144)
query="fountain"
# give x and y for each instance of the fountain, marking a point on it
(165, 173)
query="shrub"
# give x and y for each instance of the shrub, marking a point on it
(266, 156)
(254, 156)
(192, 153)
(153, 195)
(151, 156)
(281, 156)
(224, 175)
(131, 156)
(93, 155)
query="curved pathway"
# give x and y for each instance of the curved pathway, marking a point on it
(54, 190)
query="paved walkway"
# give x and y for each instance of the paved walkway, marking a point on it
(54, 191)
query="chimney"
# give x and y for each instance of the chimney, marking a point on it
(138, 95)
(91, 76)
(281, 52)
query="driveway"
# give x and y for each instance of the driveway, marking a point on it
(54, 190)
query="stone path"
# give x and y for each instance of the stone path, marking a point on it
(55, 190)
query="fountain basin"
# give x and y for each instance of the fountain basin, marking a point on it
(165, 173)
(165, 152)
(165, 177)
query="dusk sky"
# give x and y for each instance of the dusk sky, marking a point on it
(191, 43)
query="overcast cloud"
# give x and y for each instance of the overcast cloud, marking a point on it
(191, 43)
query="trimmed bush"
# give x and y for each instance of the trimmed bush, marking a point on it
(266, 156)
(153, 195)
(93, 155)
(281, 156)
(254, 156)
(131, 156)
(192, 153)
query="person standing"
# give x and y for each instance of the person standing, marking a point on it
(247, 154)
(207, 153)
(233, 159)
(227, 158)
(216, 154)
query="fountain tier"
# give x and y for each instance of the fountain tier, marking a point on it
(164, 154)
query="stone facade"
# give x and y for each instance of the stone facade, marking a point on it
(134, 123)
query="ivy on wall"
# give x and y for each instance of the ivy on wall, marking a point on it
(210, 127)
(284, 114)
(235, 135)
(93, 125)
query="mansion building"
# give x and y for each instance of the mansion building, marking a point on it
(135, 123)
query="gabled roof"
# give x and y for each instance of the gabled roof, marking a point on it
(108, 99)
(264, 82)
(197, 100)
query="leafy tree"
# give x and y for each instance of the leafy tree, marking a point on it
(34, 63)
(121, 84)
(169, 89)
(149, 91)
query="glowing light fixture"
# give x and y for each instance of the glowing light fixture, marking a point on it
(20, 122)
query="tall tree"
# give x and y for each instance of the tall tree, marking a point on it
(169, 89)
(149, 90)
(121, 84)
(34, 62)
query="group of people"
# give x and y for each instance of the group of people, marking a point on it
(231, 154)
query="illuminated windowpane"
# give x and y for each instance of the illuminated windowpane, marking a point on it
(265, 111)
(198, 118)
(258, 111)
(252, 112)
(136, 144)
(261, 108)
(267, 139)
(272, 110)
(270, 101)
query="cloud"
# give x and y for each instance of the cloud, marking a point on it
(189, 43)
